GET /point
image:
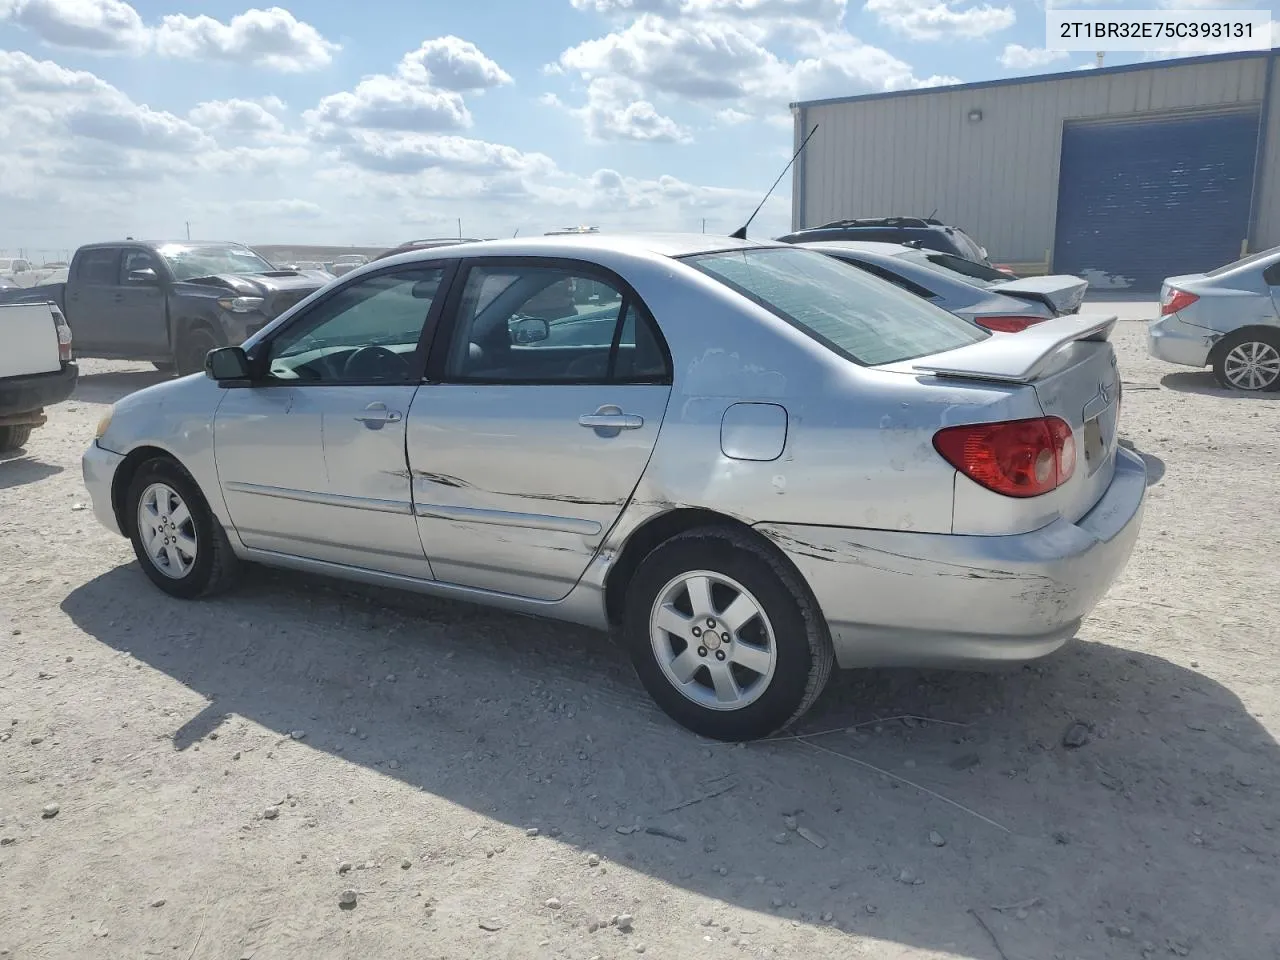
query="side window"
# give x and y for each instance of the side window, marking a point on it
(99, 267)
(366, 332)
(131, 260)
(897, 281)
(1272, 275)
(550, 325)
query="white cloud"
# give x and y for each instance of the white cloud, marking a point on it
(730, 117)
(452, 63)
(615, 110)
(236, 116)
(108, 26)
(292, 209)
(1018, 57)
(381, 102)
(936, 19)
(271, 38)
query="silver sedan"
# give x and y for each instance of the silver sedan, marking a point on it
(748, 461)
(978, 293)
(1228, 319)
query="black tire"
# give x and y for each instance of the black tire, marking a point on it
(193, 346)
(802, 642)
(215, 568)
(1266, 339)
(13, 437)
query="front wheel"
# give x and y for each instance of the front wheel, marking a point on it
(179, 543)
(193, 347)
(1249, 360)
(725, 636)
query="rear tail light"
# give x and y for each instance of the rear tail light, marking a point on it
(1174, 300)
(1002, 324)
(1017, 458)
(64, 336)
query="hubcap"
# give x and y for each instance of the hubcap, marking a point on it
(713, 641)
(168, 533)
(1252, 366)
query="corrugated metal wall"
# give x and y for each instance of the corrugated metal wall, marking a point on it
(1269, 209)
(998, 177)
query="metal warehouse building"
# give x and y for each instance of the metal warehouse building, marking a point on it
(1123, 175)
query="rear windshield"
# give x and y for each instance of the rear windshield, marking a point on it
(958, 268)
(861, 317)
(1252, 258)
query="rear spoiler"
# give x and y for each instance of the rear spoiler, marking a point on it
(1017, 357)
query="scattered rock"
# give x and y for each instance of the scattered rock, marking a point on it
(625, 831)
(776, 903)
(593, 926)
(393, 764)
(1195, 664)
(624, 922)
(531, 831)
(347, 899)
(1178, 947)
(297, 734)
(36, 741)
(640, 948)
(49, 811)
(965, 761)
(391, 678)
(491, 924)
(937, 839)
(77, 507)
(8, 841)
(871, 909)
(344, 868)
(158, 902)
(1118, 932)
(909, 878)
(1062, 837)
(1077, 735)
(553, 903)
(783, 837)
(593, 860)
(406, 863)
(270, 813)
(790, 822)
(236, 755)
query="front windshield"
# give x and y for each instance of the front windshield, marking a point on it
(851, 312)
(189, 261)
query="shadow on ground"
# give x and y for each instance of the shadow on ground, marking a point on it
(1158, 833)
(1203, 382)
(1155, 466)
(112, 386)
(18, 469)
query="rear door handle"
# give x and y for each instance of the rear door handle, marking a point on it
(376, 415)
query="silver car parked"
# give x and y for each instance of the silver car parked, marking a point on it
(978, 293)
(1228, 318)
(749, 461)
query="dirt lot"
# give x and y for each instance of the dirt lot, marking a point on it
(224, 771)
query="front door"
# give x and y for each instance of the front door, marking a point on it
(92, 306)
(538, 419)
(142, 320)
(312, 459)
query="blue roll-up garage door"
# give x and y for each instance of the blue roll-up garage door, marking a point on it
(1141, 200)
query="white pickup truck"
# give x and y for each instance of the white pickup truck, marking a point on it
(36, 368)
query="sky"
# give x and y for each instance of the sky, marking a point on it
(380, 121)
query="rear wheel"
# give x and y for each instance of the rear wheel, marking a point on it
(1249, 360)
(725, 636)
(12, 437)
(179, 543)
(193, 347)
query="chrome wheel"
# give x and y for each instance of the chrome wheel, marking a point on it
(1252, 365)
(713, 640)
(168, 533)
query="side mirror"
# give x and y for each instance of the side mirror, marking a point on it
(425, 289)
(528, 330)
(144, 277)
(227, 363)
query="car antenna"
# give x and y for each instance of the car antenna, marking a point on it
(741, 232)
(932, 215)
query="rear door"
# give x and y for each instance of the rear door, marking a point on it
(92, 308)
(535, 425)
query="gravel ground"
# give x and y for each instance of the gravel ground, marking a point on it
(227, 777)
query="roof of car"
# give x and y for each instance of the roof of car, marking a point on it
(661, 244)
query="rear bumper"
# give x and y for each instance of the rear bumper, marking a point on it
(934, 600)
(99, 469)
(1173, 341)
(19, 395)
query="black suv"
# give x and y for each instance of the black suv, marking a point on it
(915, 231)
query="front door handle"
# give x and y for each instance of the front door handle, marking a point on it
(611, 421)
(375, 415)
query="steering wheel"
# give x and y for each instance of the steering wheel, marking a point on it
(375, 363)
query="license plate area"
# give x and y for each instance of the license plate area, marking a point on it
(1095, 444)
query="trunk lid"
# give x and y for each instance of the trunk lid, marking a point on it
(1071, 365)
(1062, 294)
